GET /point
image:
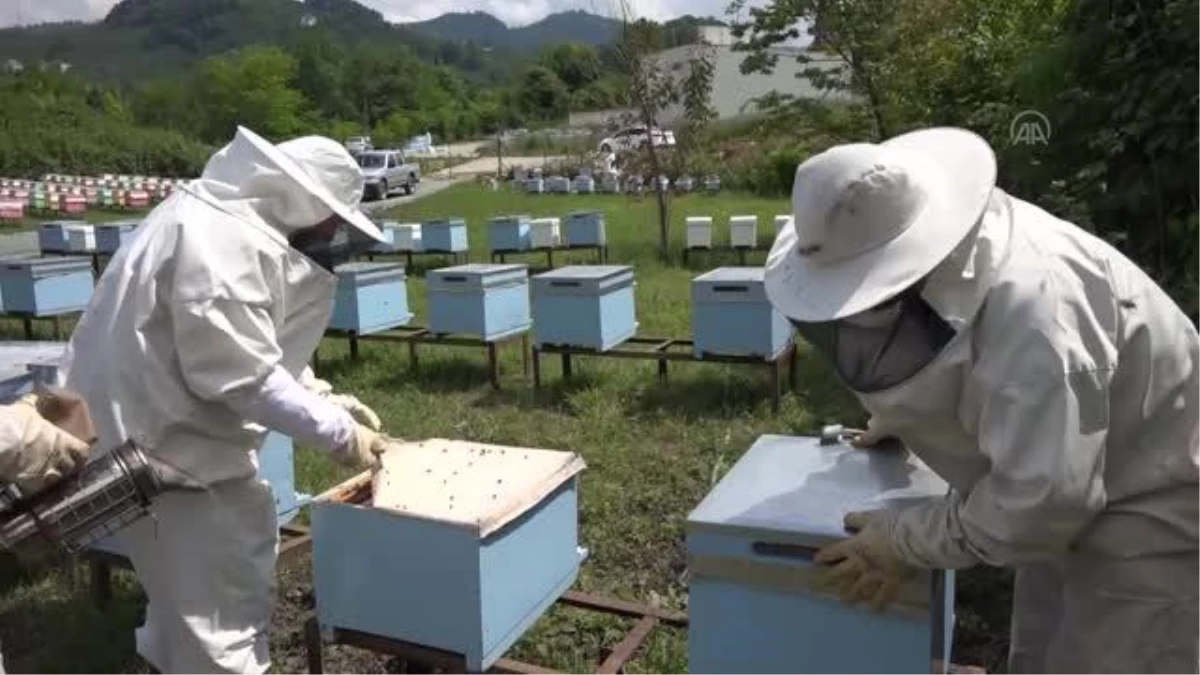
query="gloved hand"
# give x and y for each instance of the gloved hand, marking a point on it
(357, 409)
(363, 448)
(865, 566)
(875, 437)
(41, 454)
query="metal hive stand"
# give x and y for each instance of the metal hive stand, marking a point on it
(648, 618)
(417, 335)
(600, 249)
(665, 350)
(740, 250)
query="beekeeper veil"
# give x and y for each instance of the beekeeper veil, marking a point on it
(856, 270)
(307, 188)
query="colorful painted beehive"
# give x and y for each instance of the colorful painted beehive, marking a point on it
(12, 209)
(488, 301)
(544, 233)
(444, 235)
(586, 228)
(455, 546)
(699, 231)
(731, 315)
(81, 238)
(46, 286)
(52, 236)
(754, 604)
(74, 203)
(584, 306)
(508, 233)
(111, 236)
(370, 297)
(743, 231)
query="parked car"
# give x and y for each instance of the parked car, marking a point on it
(358, 144)
(386, 170)
(635, 138)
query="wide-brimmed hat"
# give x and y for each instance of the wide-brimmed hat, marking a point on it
(870, 220)
(326, 170)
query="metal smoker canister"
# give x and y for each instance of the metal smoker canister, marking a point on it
(102, 498)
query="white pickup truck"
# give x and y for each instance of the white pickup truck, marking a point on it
(385, 170)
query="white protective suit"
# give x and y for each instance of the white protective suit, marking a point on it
(1064, 414)
(201, 322)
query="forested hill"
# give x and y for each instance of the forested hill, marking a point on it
(141, 39)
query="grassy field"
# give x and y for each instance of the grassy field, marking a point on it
(653, 451)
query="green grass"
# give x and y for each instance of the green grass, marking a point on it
(653, 449)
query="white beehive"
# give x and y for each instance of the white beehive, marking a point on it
(699, 232)
(80, 238)
(743, 231)
(407, 237)
(544, 232)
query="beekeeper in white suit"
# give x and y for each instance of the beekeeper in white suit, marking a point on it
(1035, 368)
(194, 344)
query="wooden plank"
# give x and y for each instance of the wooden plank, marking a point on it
(628, 646)
(623, 608)
(511, 666)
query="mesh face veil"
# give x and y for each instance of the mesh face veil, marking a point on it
(331, 242)
(883, 346)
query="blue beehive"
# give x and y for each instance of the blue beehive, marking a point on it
(584, 306)
(22, 363)
(584, 184)
(732, 315)
(52, 236)
(370, 297)
(488, 301)
(446, 235)
(753, 602)
(111, 236)
(276, 466)
(508, 233)
(388, 245)
(586, 228)
(46, 286)
(452, 545)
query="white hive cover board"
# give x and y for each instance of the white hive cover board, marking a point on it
(478, 486)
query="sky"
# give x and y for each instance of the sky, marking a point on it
(512, 12)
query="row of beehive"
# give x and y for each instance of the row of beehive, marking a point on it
(587, 306)
(505, 233)
(743, 230)
(73, 236)
(610, 183)
(16, 202)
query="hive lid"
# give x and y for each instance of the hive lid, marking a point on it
(363, 267)
(481, 269)
(15, 359)
(795, 489)
(48, 265)
(586, 272)
(476, 486)
(733, 274)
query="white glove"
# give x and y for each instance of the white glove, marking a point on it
(357, 409)
(867, 565)
(363, 448)
(309, 380)
(39, 454)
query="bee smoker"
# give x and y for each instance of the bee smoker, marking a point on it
(103, 497)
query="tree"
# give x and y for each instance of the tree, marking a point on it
(577, 65)
(253, 88)
(542, 95)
